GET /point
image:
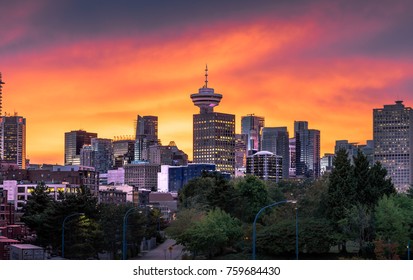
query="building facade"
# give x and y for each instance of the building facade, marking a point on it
(276, 140)
(251, 125)
(13, 140)
(142, 175)
(265, 165)
(393, 142)
(146, 135)
(74, 142)
(173, 178)
(307, 143)
(123, 152)
(213, 133)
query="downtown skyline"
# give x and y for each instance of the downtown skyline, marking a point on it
(96, 66)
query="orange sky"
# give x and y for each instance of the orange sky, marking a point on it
(328, 66)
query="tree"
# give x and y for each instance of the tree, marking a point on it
(341, 193)
(209, 191)
(250, 196)
(394, 220)
(216, 231)
(39, 215)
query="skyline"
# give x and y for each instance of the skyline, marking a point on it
(97, 65)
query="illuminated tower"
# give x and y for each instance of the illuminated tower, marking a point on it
(213, 133)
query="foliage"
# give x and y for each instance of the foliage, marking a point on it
(209, 191)
(394, 220)
(213, 233)
(250, 196)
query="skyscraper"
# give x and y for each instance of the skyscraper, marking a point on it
(123, 152)
(276, 141)
(146, 135)
(74, 141)
(102, 154)
(251, 125)
(307, 150)
(13, 140)
(213, 133)
(393, 142)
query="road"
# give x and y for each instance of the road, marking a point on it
(165, 251)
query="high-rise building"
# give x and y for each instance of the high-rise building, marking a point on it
(146, 135)
(123, 152)
(74, 141)
(393, 142)
(352, 149)
(326, 163)
(213, 133)
(307, 150)
(251, 125)
(292, 167)
(265, 165)
(103, 154)
(241, 141)
(13, 140)
(1, 95)
(276, 141)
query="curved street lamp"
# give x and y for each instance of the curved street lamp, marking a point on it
(125, 221)
(63, 230)
(254, 233)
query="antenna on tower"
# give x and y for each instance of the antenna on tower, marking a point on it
(1, 94)
(206, 76)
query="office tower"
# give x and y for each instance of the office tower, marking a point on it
(74, 141)
(251, 125)
(142, 175)
(393, 140)
(307, 150)
(276, 140)
(102, 154)
(123, 152)
(240, 154)
(146, 135)
(292, 166)
(352, 148)
(265, 165)
(87, 156)
(326, 163)
(213, 133)
(13, 140)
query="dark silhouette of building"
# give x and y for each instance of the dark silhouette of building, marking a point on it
(74, 142)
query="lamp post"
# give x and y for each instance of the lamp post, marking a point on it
(63, 230)
(125, 224)
(254, 234)
(296, 233)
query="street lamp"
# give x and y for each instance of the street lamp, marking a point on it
(63, 230)
(125, 221)
(254, 234)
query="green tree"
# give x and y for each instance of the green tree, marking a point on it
(341, 194)
(212, 234)
(250, 196)
(394, 219)
(39, 215)
(209, 191)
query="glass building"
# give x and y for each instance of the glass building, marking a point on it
(74, 142)
(276, 140)
(13, 140)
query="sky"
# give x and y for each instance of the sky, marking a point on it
(95, 65)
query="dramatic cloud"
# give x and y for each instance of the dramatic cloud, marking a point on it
(95, 65)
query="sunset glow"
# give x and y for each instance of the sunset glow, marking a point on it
(96, 67)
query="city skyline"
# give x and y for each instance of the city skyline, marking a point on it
(96, 66)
